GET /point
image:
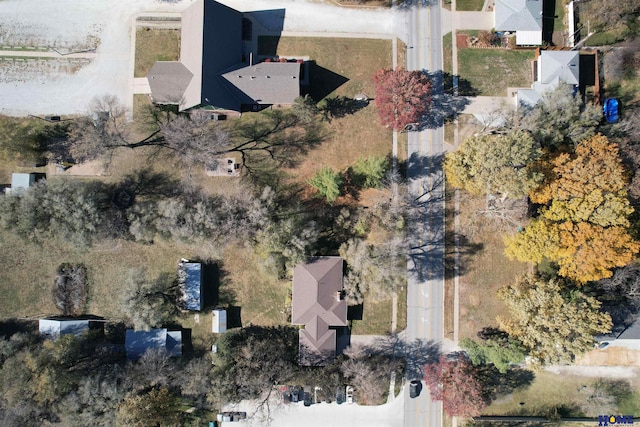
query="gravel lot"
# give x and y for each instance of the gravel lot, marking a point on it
(53, 87)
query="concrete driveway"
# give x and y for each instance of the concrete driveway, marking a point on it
(326, 414)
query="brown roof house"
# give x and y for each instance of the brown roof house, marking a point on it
(318, 305)
(213, 71)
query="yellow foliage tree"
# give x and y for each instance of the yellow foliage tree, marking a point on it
(583, 227)
(595, 165)
(540, 240)
(554, 323)
(590, 252)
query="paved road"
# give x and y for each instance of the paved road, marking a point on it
(425, 294)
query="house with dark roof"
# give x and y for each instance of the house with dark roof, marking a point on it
(213, 71)
(522, 16)
(317, 304)
(552, 68)
(136, 343)
(54, 328)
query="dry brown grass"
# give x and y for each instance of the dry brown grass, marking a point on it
(261, 297)
(491, 71)
(153, 44)
(484, 272)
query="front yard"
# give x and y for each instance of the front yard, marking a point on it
(153, 44)
(490, 71)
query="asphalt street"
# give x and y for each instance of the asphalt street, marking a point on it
(425, 293)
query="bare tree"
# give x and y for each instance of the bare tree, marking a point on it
(103, 129)
(149, 303)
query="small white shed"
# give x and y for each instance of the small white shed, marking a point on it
(219, 321)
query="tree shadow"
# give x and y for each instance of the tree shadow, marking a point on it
(416, 353)
(457, 86)
(409, 4)
(425, 216)
(336, 107)
(8, 327)
(54, 141)
(443, 105)
(149, 184)
(223, 293)
(494, 383)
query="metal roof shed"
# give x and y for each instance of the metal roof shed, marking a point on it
(22, 181)
(219, 321)
(190, 278)
(55, 328)
(136, 343)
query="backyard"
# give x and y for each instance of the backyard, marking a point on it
(27, 278)
(490, 71)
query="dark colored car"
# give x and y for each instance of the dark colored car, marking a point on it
(339, 396)
(611, 110)
(295, 395)
(307, 399)
(415, 387)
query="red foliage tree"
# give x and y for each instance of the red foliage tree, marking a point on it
(456, 384)
(402, 96)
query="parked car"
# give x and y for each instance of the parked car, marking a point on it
(339, 395)
(295, 394)
(610, 109)
(308, 399)
(415, 387)
(349, 394)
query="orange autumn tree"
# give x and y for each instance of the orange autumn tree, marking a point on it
(583, 226)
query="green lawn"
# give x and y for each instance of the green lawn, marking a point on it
(376, 317)
(447, 53)
(153, 45)
(469, 5)
(491, 71)
(342, 66)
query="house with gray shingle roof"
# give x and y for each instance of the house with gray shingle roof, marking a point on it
(317, 304)
(552, 69)
(212, 71)
(522, 16)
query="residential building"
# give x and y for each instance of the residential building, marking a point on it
(317, 304)
(522, 16)
(551, 69)
(214, 72)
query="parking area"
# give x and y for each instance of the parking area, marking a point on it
(322, 414)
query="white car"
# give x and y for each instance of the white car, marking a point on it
(349, 393)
